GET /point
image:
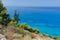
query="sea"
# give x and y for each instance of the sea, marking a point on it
(45, 19)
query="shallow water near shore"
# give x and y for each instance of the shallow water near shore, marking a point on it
(46, 19)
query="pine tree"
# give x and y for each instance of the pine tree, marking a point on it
(16, 16)
(4, 17)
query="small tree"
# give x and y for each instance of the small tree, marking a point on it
(16, 16)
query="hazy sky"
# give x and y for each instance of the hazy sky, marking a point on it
(32, 3)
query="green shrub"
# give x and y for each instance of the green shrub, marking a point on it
(22, 25)
(29, 28)
(35, 30)
(57, 38)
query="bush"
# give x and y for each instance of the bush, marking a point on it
(56, 37)
(35, 30)
(29, 28)
(22, 25)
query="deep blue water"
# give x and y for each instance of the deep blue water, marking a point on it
(46, 19)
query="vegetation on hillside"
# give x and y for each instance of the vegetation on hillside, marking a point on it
(5, 20)
(8, 24)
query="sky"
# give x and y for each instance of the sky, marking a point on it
(30, 3)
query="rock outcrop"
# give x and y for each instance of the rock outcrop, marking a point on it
(2, 37)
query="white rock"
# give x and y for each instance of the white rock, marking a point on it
(2, 37)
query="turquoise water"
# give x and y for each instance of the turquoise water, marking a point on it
(46, 19)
